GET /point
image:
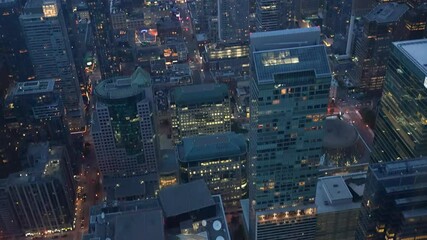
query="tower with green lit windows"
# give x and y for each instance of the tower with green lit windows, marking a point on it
(122, 127)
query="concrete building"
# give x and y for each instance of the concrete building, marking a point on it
(338, 200)
(47, 40)
(186, 211)
(33, 111)
(400, 131)
(372, 48)
(200, 109)
(227, 61)
(43, 194)
(122, 128)
(394, 201)
(289, 97)
(220, 160)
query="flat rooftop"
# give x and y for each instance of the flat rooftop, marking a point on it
(416, 51)
(333, 193)
(208, 147)
(269, 63)
(387, 12)
(398, 169)
(124, 87)
(143, 225)
(33, 87)
(201, 93)
(183, 198)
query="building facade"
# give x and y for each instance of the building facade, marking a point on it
(12, 40)
(401, 127)
(289, 96)
(220, 160)
(122, 128)
(274, 15)
(48, 44)
(33, 111)
(233, 21)
(43, 195)
(372, 48)
(200, 109)
(394, 200)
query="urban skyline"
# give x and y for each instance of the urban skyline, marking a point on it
(213, 119)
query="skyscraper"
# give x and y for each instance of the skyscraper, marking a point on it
(47, 40)
(33, 112)
(372, 49)
(200, 109)
(233, 21)
(43, 194)
(289, 96)
(12, 40)
(122, 127)
(401, 127)
(274, 15)
(394, 201)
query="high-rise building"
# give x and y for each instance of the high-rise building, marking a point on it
(9, 226)
(12, 40)
(372, 48)
(33, 112)
(274, 15)
(122, 128)
(220, 160)
(48, 44)
(394, 201)
(200, 109)
(289, 96)
(233, 21)
(43, 194)
(401, 127)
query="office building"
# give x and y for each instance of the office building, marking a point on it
(233, 21)
(338, 201)
(122, 128)
(227, 61)
(200, 109)
(186, 211)
(271, 15)
(400, 131)
(33, 112)
(43, 194)
(12, 41)
(48, 44)
(289, 96)
(394, 201)
(9, 226)
(372, 48)
(220, 160)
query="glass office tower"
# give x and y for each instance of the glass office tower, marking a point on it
(401, 128)
(289, 96)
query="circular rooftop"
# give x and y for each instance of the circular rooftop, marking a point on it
(339, 134)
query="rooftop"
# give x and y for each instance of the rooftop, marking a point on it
(387, 12)
(415, 50)
(334, 193)
(143, 225)
(285, 38)
(42, 161)
(124, 87)
(183, 198)
(207, 147)
(201, 93)
(288, 60)
(399, 169)
(32, 87)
